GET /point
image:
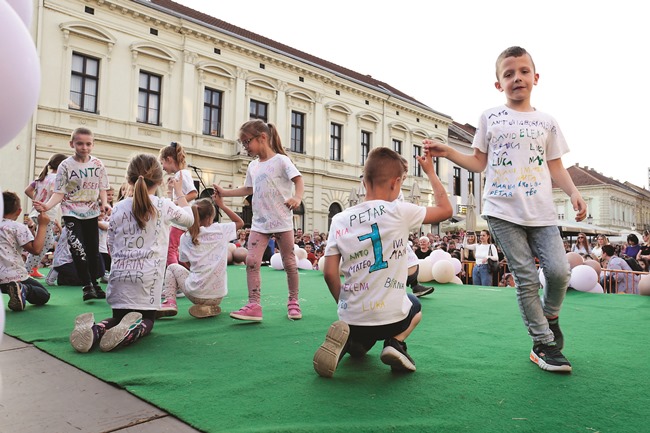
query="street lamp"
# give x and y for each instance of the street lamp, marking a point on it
(590, 219)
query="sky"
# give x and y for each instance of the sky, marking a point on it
(592, 58)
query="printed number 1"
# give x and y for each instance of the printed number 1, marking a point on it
(374, 236)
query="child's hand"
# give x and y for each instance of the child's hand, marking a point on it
(218, 190)
(292, 203)
(579, 206)
(40, 206)
(435, 148)
(107, 210)
(43, 219)
(177, 184)
(426, 162)
(216, 197)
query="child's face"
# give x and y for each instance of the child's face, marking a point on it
(169, 165)
(110, 194)
(82, 145)
(516, 78)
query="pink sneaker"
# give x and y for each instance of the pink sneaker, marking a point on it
(167, 309)
(293, 310)
(250, 312)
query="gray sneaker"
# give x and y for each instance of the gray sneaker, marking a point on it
(50, 280)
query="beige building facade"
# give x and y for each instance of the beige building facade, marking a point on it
(141, 74)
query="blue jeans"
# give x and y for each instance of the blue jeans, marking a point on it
(521, 245)
(481, 275)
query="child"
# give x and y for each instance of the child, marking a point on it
(172, 158)
(138, 237)
(41, 190)
(103, 223)
(80, 180)
(270, 179)
(204, 249)
(14, 237)
(522, 149)
(371, 239)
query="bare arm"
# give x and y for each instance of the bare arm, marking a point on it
(294, 202)
(561, 176)
(29, 191)
(36, 246)
(475, 162)
(332, 275)
(56, 198)
(442, 210)
(242, 191)
(239, 223)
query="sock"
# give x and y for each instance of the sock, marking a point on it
(412, 279)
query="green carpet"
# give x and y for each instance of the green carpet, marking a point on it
(471, 351)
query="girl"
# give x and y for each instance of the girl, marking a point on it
(597, 251)
(80, 180)
(204, 248)
(138, 237)
(270, 179)
(172, 158)
(483, 251)
(41, 190)
(581, 246)
(241, 240)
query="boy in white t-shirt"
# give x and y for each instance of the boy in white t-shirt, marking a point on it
(368, 243)
(14, 238)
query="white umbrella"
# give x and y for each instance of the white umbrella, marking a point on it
(470, 216)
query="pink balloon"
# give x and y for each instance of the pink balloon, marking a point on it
(24, 9)
(574, 259)
(20, 74)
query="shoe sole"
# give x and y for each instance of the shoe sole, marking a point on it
(326, 358)
(236, 315)
(16, 299)
(203, 311)
(114, 336)
(297, 314)
(166, 313)
(548, 367)
(396, 360)
(424, 292)
(81, 337)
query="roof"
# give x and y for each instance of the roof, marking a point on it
(220, 25)
(585, 176)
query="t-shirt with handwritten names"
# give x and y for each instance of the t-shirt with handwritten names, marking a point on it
(138, 256)
(187, 187)
(372, 239)
(13, 235)
(519, 145)
(208, 260)
(43, 190)
(272, 186)
(80, 183)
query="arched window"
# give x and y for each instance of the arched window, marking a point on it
(333, 210)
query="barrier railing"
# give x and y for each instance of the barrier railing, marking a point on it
(618, 281)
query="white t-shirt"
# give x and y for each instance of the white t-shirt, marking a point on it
(187, 187)
(517, 180)
(80, 183)
(138, 256)
(372, 239)
(103, 238)
(43, 190)
(208, 260)
(272, 186)
(13, 236)
(62, 254)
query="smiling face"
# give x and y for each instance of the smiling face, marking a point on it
(516, 78)
(169, 165)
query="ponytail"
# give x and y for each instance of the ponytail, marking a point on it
(144, 172)
(203, 210)
(194, 229)
(274, 138)
(143, 209)
(52, 164)
(176, 152)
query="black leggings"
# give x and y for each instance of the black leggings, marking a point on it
(83, 239)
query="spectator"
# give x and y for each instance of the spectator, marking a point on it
(424, 250)
(617, 282)
(581, 246)
(633, 247)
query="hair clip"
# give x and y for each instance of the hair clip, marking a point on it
(173, 144)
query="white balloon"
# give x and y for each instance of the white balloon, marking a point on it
(321, 263)
(276, 262)
(425, 271)
(24, 9)
(305, 264)
(232, 247)
(458, 266)
(597, 289)
(456, 280)
(583, 278)
(443, 271)
(644, 285)
(20, 74)
(301, 253)
(438, 255)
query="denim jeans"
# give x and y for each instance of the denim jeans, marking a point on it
(481, 275)
(521, 245)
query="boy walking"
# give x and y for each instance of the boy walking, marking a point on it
(520, 150)
(371, 239)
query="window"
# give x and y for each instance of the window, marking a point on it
(212, 112)
(417, 151)
(334, 209)
(470, 182)
(336, 132)
(456, 180)
(365, 146)
(560, 212)
(299, 217)
(259, 110)
(297, 132)
(397, 146)
(149, 98)
(83, 83)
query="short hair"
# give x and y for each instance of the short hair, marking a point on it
(81, 131)
(382, 165)
(609, 250)
(514, 51)
(11, 202)
(424, 238)
(632, 237)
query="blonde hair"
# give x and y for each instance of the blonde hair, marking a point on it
(202, 210)
(53, 164)
(257, 127)
(176, 152)
(144, 171)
